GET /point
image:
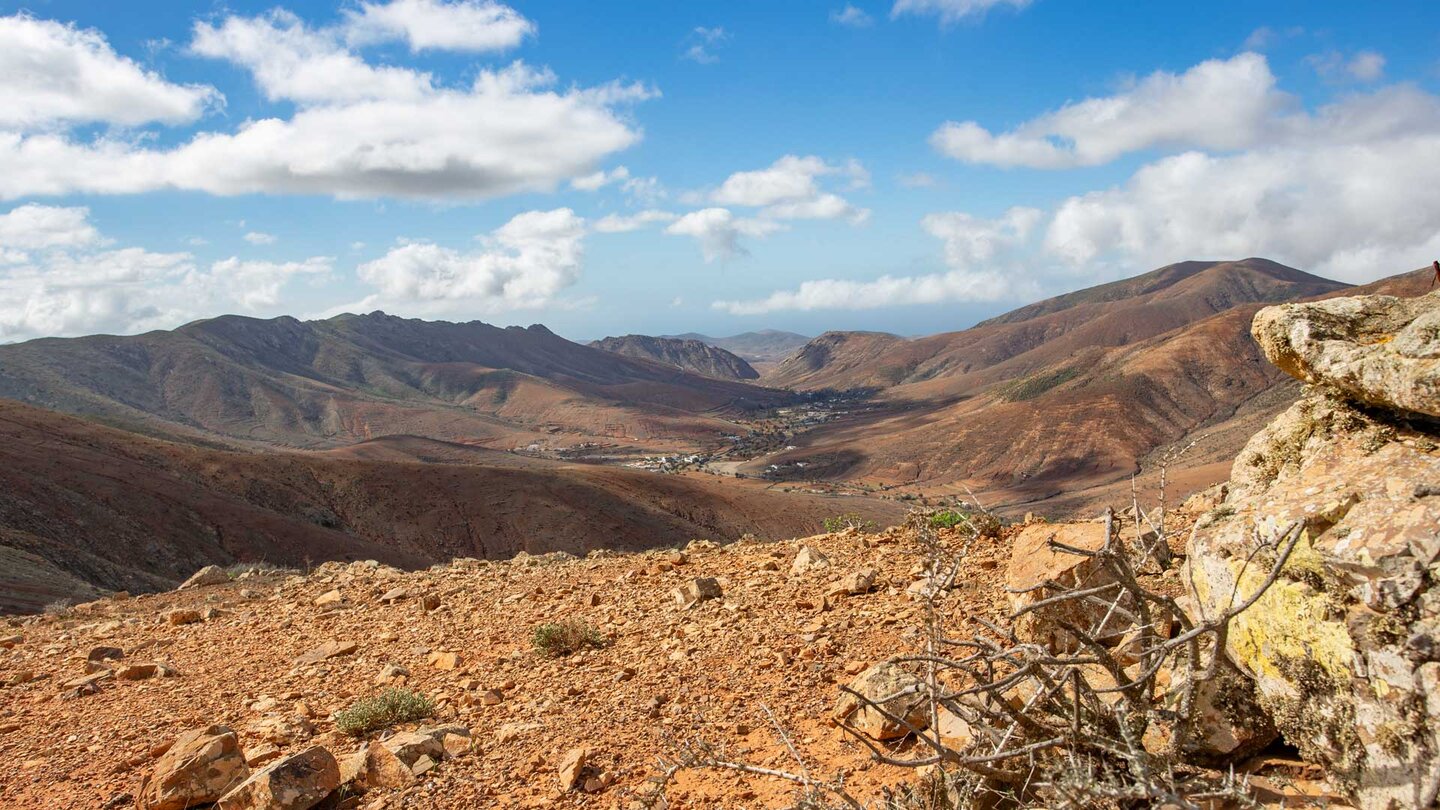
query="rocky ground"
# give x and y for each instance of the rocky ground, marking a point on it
(274, 655)
(773, 639)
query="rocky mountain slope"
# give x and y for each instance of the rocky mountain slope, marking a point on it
(694, 356)
(762, 345)
(104, 507)
(350, 378)
(1065, 395)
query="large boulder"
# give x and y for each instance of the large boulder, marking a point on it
(297, 782)
(1344, 648)
(1376, 349)
(1035, 562)
(200, 767)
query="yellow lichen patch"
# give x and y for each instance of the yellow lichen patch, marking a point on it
(1288, 622)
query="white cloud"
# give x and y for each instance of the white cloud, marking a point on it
(259, 238)
(53, 74)
(1363, 66)
(886, 291)
(465, 25)
(979, 252)
(788, 189)
(40, 227)
(291, 61)
(952, 11)
(525, 263)
(504, 135)
(718, 231)
(600, 179)
(70, 285)
(359, 130)
(970, 241)
(1217, 104)
(624, 223)
(701, 43)
(852, 17)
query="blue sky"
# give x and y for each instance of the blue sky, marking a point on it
(606, 168)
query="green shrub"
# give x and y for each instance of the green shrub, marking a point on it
(947, 519)
(983, 524)
(559, 639)
(849, 520)
(384, 710)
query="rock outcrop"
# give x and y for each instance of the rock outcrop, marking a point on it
(1344, 648)
(1378, 350)
(200, 767)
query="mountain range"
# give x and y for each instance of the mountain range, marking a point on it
(127, 462)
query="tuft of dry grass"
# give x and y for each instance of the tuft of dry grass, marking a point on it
(386, 709)
(559, 639)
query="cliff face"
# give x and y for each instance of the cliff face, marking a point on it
(1345, 648)
(690, 355)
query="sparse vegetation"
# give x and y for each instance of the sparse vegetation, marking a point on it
(386, 709)
(1032, 387)
(60, 608)
(559, 639)
(849, 520)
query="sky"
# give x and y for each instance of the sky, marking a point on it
(606, 168)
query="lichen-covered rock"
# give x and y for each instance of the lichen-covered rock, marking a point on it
(1376, 349)
(297, 782)
(1342, 647)
(900, 694)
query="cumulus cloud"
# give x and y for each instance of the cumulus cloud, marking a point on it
(718, 231)
(259, 238)
(54, 74)
(952, 11)
(981, 255)
(291, 61)
(465, 25)
(1219, 104)
(39, 227)
(359, 130)
(67, 282)
(524, 263)
(852, 17)
(789, 189)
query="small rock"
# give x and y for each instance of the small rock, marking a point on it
(809, 559)
(329, 598)
(445, 660)
(572, 769)
(330, 649)
(105, 654)
(137, 672)
(209, 575)
(182, 616)
(696, 591)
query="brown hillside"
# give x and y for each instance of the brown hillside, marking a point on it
(125, 512)
(1062, 395)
